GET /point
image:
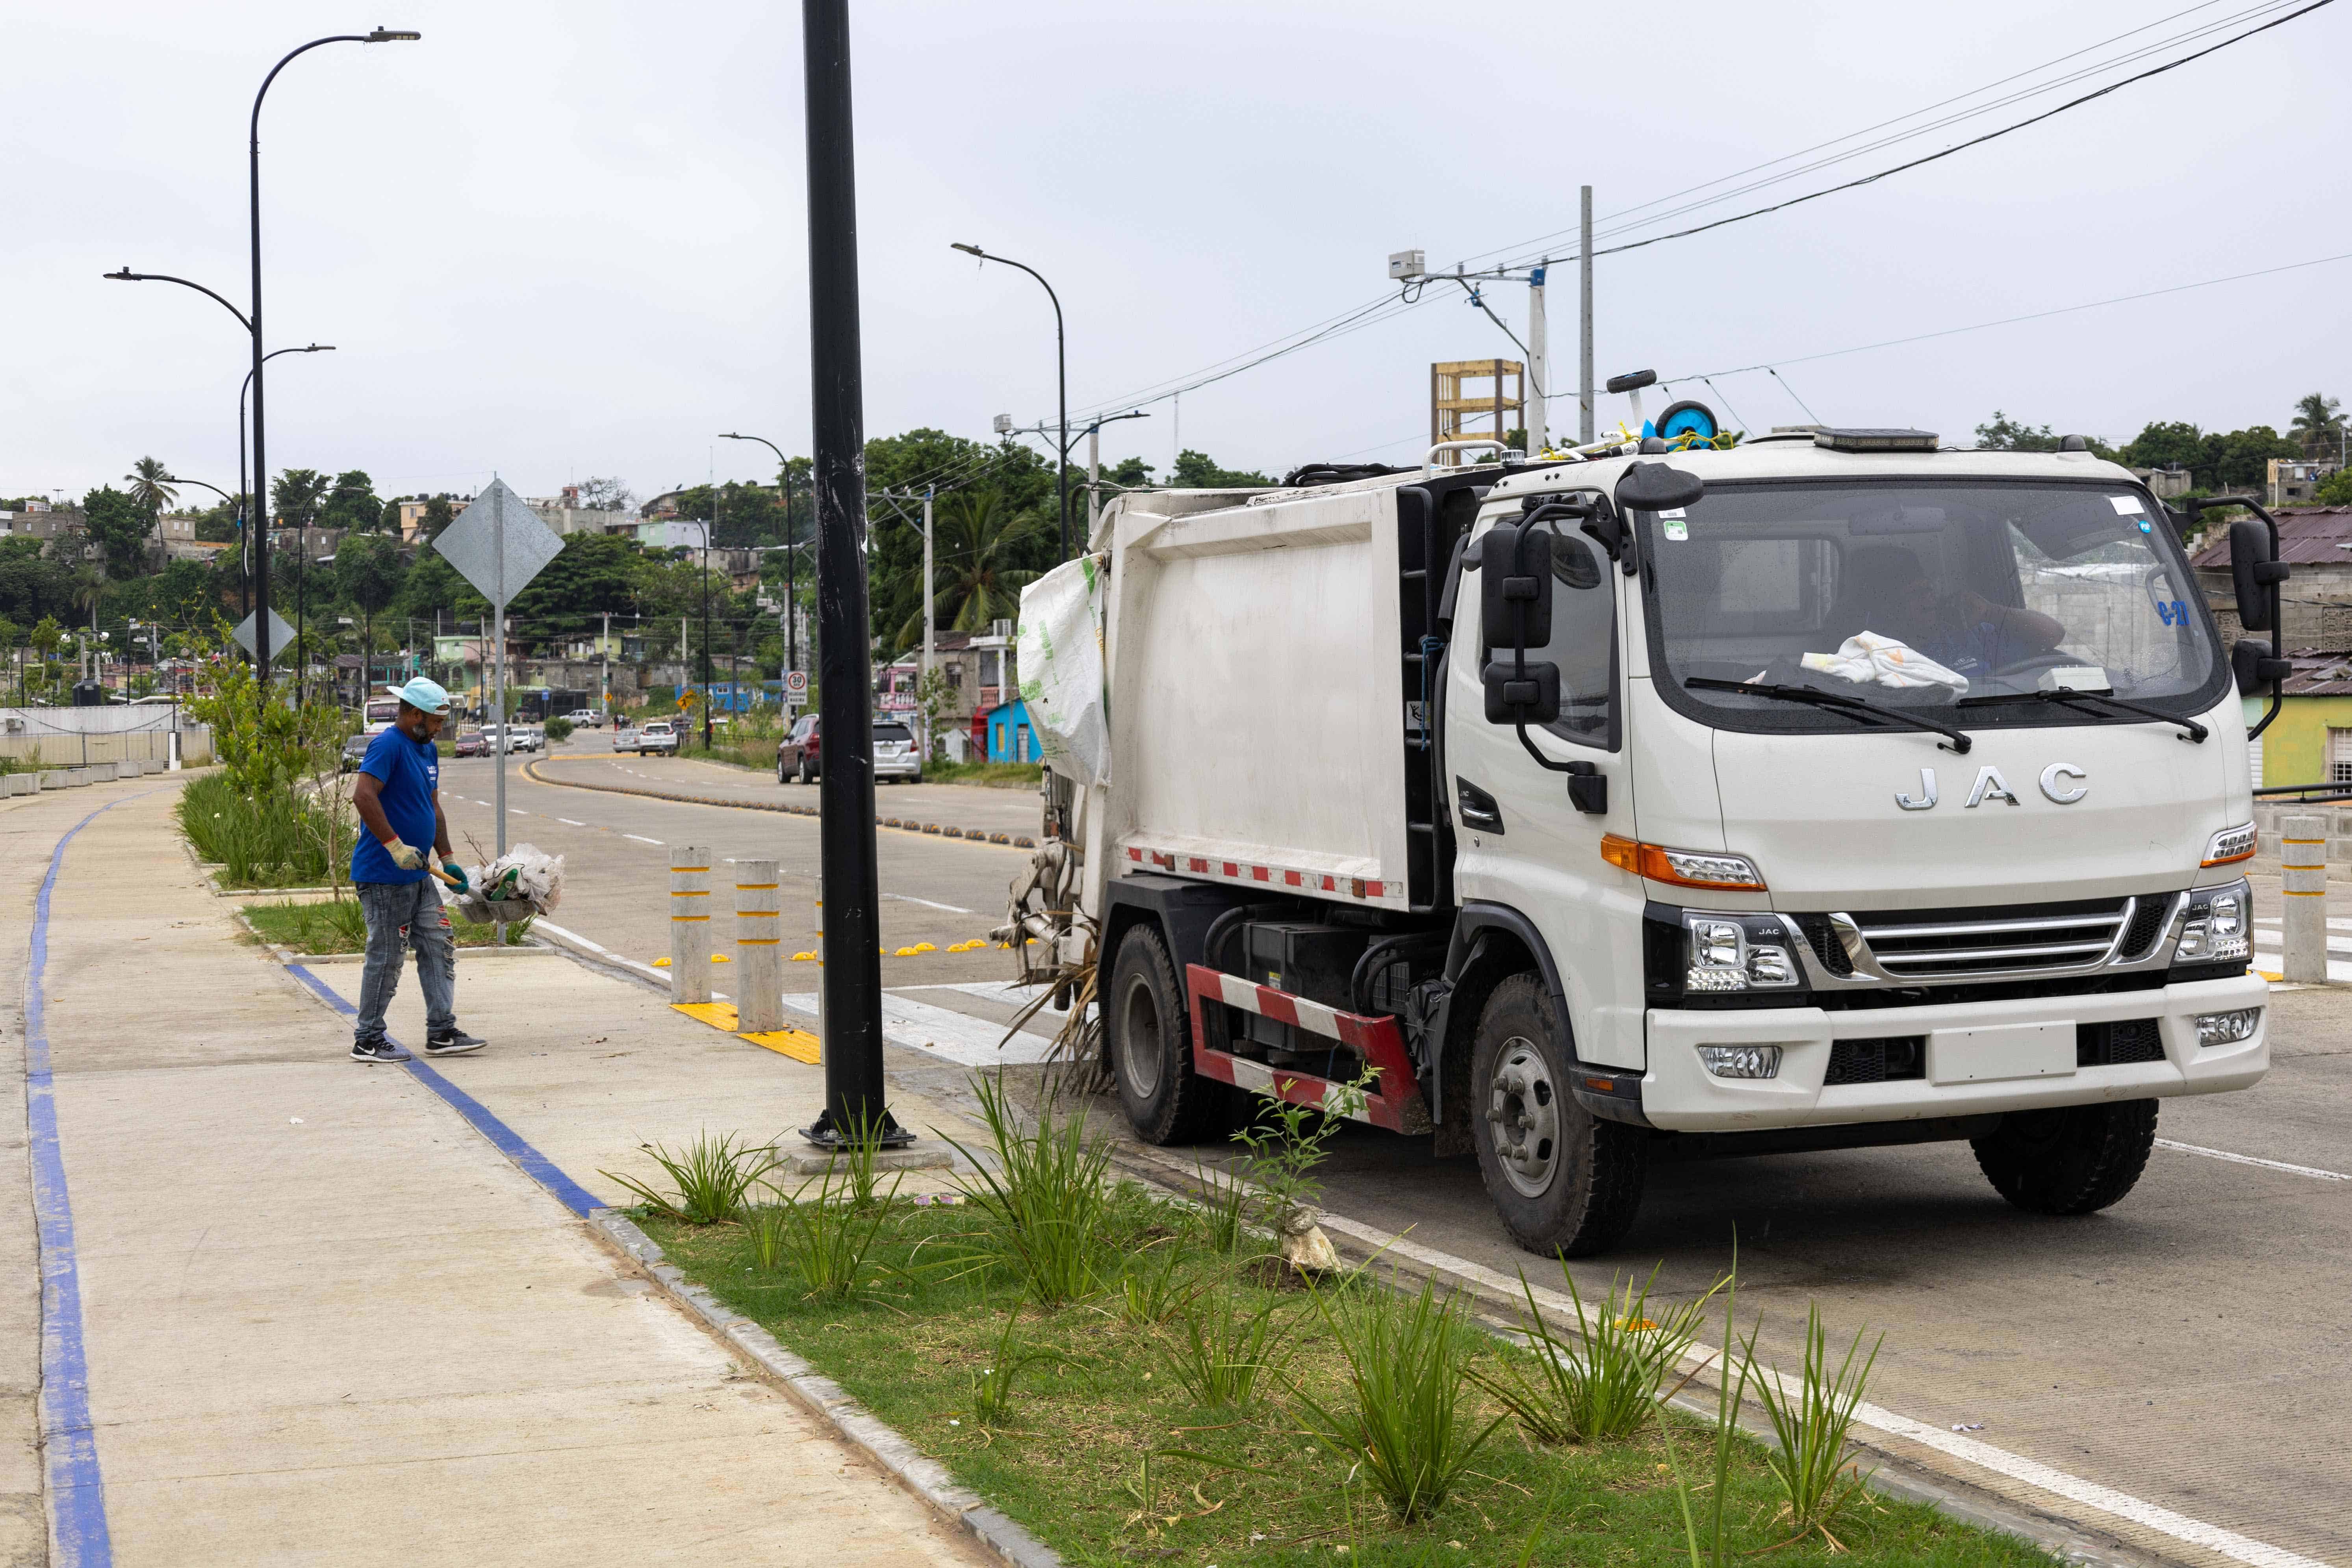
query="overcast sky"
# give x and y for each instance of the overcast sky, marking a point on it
(557, 241)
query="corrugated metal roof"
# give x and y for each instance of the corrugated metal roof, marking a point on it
(2319, 674)
(2309, 535)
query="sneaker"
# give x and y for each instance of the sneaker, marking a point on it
(455, 1042)
(378, 1051)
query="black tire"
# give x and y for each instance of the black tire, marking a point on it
(1147, 1033)
(805, 775)
(780, 776)
(2075, 1160)
(1573, 1184)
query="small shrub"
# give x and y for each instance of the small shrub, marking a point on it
(1605, 1385)
(1224, 1214)
(1811, 1421)
(992, 1385)
(559, 729)
(1221, 1346)
(1407, 1361)
(826, 1239)
(1045, 1201)
(709, 1181)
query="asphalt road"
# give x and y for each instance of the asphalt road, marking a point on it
(2190, 1348)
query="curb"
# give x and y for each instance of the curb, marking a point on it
(969, 835)
(851, 1422)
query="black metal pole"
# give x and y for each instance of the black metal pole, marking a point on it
(852, 972)
(707, 527)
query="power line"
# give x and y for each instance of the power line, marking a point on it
(1972, 142)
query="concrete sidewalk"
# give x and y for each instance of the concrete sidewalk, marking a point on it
(326, 1319)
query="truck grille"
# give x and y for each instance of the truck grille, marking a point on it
(2115, 1044)
(1877, 1060)
(1937, 944)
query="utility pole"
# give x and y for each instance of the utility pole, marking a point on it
(1584, 317)
(1538, 377)
(605, 654)
(1094, 479)
(852, 972)
(923, 682)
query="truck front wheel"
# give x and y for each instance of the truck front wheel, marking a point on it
(1564, 1180)
(2075, 1160)
(1150, 1040)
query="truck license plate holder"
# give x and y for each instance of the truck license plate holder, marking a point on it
(1997, 1052)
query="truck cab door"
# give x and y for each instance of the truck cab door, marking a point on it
(1529, 837)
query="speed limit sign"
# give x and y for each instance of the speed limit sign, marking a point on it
(796, 683)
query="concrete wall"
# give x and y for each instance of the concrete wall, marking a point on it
(2295, 748)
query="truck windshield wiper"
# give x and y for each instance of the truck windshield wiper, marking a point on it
(1836, 701)
(2083, 699)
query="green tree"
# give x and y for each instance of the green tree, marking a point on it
(2006, 435)
(2170, 444)
(121, 527)
(351, 503)
(216, 524)
(2336, 489)
(295, 497)
(2243, 461)
(439, 515)
(1198, 471)
(2317, 424)
(148, 486)
(368, 574)
(388, 520)
(974, 542)
(31, 583)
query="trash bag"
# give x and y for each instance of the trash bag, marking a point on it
(1060, 653)
(1867, 657)
(519, 884)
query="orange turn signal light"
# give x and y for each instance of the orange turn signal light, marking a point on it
(1682, 867)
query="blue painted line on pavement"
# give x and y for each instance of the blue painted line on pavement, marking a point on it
(505, 1139)
(77, 1486)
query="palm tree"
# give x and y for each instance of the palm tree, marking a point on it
(147, 476)
(2317, 424)
(971, 543)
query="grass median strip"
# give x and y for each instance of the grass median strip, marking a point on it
(1197, 1403)
(338, 926)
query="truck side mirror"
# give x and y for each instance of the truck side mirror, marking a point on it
(2252, 573)
(1515, 585)
(1653, 487)
(2250, 661)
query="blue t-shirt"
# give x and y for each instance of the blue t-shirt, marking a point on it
(408, 775)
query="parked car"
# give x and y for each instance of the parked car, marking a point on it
(625, 735)
(586, 717)
(472, 743)
(897, 756)
(655, 735)
(355, 751)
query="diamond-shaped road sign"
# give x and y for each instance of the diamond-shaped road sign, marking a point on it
(499, 544)
(281, 636)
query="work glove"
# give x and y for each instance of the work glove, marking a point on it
(407, 856)
(456, 874)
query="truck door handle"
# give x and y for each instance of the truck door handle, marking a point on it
(1479, 811)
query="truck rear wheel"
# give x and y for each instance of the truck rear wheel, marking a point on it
(2074, 1160)
(1563, 1179)
(1150, 1032)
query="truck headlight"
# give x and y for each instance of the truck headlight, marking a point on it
(1738, 952)
(2214, 929)
(1741, 1061)
(2228, 1028)
(2231, 844)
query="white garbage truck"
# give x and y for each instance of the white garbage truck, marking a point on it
(1826, 790)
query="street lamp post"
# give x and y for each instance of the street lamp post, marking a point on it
(245, 501)
(791, 585)
(1062, 387)
(260, 422)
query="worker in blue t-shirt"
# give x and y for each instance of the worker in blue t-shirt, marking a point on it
(398, 796)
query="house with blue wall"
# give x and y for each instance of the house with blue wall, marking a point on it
(1010, 738)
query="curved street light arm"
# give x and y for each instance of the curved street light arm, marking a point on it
(127, 276)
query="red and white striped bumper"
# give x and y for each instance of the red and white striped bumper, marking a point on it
(1392, 1100)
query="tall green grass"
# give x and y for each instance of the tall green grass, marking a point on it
(709, 1181)
(1046, 1199)
(274, 840)
(1812, 1420)
(1606, 1383)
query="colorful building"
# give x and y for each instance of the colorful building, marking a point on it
(1010, 738)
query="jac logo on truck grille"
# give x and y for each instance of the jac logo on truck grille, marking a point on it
(2063, 782)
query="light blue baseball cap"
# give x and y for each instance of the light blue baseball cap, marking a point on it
(425, 696)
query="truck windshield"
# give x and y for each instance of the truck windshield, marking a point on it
(1922, 593)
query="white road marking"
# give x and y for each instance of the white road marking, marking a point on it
(641, 838)
(2274, 959)
(2106, 1500)
(2312, 1171)
(568, 823)
(517, 811)
(910, 898)
(954, 1037)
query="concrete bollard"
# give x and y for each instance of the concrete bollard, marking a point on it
(2303, 877)
(759, 950)
(689, 921)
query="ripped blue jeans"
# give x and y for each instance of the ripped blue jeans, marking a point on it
(406, 914)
